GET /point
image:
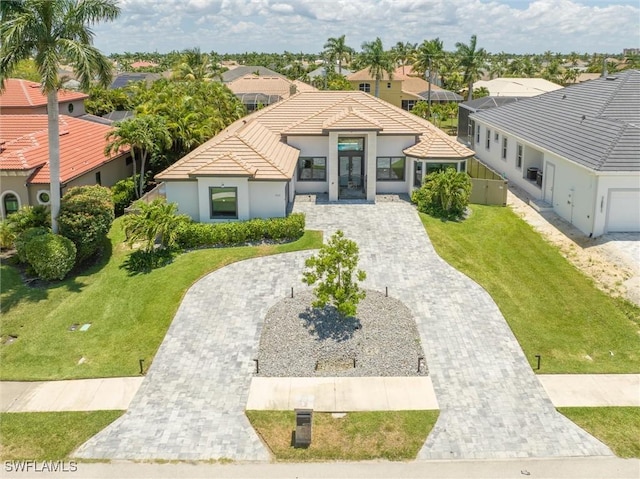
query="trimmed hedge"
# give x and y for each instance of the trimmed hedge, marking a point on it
(196, 235)
(51, 256)
(86, 215)
(24, 238)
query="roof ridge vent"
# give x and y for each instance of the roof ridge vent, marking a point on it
(611, 77)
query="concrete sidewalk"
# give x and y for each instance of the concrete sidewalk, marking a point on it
(72, 395)
(342, 394)
(329, 394)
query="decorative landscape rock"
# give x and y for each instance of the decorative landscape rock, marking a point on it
(298, 340)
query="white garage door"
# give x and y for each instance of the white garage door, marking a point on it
(624, 211)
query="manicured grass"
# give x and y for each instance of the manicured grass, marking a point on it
(617, 427)
(359, 436)
(49, 435)
(553, 309)
(129, 314)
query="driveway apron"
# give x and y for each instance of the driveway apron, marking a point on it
(491, 403)
(191, 404)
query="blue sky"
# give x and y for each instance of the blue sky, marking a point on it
(516, 26)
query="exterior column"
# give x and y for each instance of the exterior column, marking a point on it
(371, 149)
(332, 166)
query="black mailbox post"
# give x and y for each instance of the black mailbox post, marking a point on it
(304, 418)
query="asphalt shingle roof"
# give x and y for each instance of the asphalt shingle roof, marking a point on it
(594, 124)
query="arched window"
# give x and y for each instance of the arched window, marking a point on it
(10, 204)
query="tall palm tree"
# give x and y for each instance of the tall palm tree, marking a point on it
(429, 57)
(378, 61)
(337, 50)
(472, 60)
(402, 53)
(50, 31)
(146, 134)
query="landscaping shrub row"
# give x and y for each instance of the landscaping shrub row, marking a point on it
(196, 235)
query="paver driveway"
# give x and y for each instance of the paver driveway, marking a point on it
(491, 404)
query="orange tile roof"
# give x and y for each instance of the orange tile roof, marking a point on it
(268, 85)
(27, 94)
(24, 140)
(256, 138)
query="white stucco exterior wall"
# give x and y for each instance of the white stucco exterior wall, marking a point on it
(204, 201)
(613, 182)
(267, 199)
(185, 195)
(311, 146)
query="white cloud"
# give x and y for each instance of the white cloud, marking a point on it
(516, 26)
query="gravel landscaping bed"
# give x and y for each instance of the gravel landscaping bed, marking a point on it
(298, 340)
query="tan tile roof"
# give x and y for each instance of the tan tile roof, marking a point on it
(27, 94)
(256, 139)
(351, 119)
(268, 85)
(437, 145)
(244, 149)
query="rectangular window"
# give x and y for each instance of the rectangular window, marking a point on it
(128, 161)
(496, 137)
(477, 134)
(436, 167)
(417, 182)
(365, 87)
(390, 168)
(312, 168)
(224, 202)
(504, 148)
(408, 104)
(488, 142)
(519, 152)
(98, 178)
(350, 144)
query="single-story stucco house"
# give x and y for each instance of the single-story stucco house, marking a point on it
(347, 144)
(576, 149)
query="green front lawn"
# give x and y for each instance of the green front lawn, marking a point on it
(129, 314)
(45, 436)
(617, 427)
(553, 309)
(358, 436)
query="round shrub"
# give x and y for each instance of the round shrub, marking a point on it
(24, 238)
(51, 256)
(29, 217)
(86, 215)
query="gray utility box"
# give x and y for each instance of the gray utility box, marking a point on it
(304, 419)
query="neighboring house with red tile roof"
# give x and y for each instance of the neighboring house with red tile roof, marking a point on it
(347, 144)
(24, 97)
(24, 159)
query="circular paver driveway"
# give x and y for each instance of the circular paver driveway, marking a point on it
(191, 404)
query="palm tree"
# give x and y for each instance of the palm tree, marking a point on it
(337, 50)
(195, 65)
(50, 31)
(147, 134)
(472, 60)
(378, 61)
(428, 58)
(402, 53)
(153, 221)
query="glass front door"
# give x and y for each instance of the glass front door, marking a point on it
(351, 173)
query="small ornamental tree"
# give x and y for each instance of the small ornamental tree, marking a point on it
(155, 221)
(334, 271)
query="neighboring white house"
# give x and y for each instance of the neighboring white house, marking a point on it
(347, 144)
(577, 149)
(520, 87)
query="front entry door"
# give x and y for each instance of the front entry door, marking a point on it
(351, 173)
